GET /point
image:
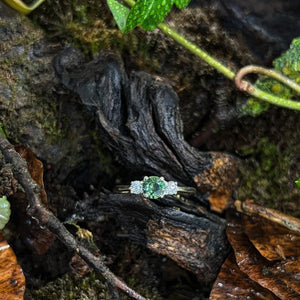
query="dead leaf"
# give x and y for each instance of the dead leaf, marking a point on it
(288, 271)
(78, 266)
(35, 237)
(258, 268)
(35, 168)
(272, 240)
(232, 283)
(12, 280)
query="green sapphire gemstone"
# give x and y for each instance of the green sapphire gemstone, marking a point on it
(153, 187)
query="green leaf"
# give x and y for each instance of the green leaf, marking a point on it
(289, 62)
(138, 13)
(298, 182)
(146, 13)
(157, 14)
(4, 211)
(182, 3)
(120, 13)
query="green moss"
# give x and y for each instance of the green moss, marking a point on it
(90, 287)
(103, 153)
(70, 287)
(146, 291)
(268, 176)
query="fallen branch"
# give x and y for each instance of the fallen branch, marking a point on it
(251, 209)
(46, 218)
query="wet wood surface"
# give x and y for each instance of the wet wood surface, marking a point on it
(139, 119)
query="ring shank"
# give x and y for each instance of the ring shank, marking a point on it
(124, 189)
(185, 190)
(181, 190)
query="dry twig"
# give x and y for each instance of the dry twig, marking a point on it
(46, 218)
(250, 208)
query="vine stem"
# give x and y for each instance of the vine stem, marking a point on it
(242, 85)
(271, 73)
(250, 208)
(246, 86)
(23, 8)
(197, 51)
(192, 47)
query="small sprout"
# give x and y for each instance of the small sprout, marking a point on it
(298, 182)
(84, 234)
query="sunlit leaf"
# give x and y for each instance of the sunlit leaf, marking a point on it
(182, 3)
(120, 13)
(298, 182)
(139, 13)
(157, 14)
(145, 13)
(4, 211)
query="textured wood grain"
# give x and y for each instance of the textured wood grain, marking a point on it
(232, 283)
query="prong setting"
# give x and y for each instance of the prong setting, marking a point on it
(154, 187)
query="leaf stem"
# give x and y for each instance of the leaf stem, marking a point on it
(197, 51)
(129, 2)
(192, 47)
(23, 8)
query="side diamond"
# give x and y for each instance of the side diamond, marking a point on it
(136, 187)
(171, 188)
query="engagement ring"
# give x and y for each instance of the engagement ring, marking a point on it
(154, 187)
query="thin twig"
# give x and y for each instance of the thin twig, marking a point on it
(47, 219)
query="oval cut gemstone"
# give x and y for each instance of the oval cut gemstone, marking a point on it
(153, 187)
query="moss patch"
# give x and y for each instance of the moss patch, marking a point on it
(268, 176)
(70, 287)
(90, 27)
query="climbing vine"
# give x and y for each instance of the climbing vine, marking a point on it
(148, 14)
